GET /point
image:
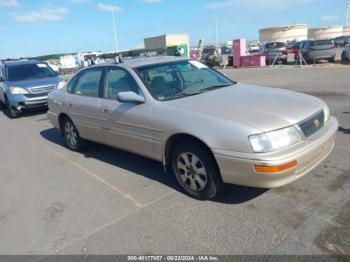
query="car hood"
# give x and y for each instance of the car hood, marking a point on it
(263, 108)
(48, 81)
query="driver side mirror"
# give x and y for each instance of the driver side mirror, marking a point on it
(131, 97)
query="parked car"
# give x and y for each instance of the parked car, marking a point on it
(345, 56)
(206, 129)
(276, 51)
(253, 48)
(313, 51)
(25, 84)
(211, 56)
(342, 40)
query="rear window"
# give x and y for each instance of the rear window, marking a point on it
(323, 42)
(275, 45)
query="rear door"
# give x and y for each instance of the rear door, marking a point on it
(127, 125)
(83, 104)
(323, 48)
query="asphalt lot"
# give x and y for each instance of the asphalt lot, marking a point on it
(105, 201)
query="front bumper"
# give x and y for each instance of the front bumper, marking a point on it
(238, 168)
(22, 102)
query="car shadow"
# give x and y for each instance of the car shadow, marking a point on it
(150, 169)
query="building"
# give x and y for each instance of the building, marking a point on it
(169, 41)
(346, 30)
(296, 32)
(325, 32)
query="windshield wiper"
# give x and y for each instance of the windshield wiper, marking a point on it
(186, 94)
(214, 87)
(182, 94)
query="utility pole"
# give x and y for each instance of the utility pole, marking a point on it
(115, 32)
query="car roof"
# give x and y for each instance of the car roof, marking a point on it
(21, 62)
(146, 61)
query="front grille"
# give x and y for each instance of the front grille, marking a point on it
(42, 89)
(312, 124)
(36, 95)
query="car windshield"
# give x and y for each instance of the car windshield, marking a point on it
(180, 79)
(29, 71)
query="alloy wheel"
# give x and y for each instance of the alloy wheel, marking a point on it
(71, 134)
(191, 171)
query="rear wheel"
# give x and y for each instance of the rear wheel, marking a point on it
(71, 135)
(331, 60)
(196, 171)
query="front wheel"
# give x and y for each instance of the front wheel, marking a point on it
(343, 57)
(71, 135)
(196, 171)
(2, 104)
(12, 113)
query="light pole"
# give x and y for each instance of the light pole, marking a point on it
(115, 31)
(347, 13)
(216, 32)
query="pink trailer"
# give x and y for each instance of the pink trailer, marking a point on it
(240, 57)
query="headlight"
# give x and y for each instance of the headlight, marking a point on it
(327, 113)
(275, 140)
(61, 84)
(18, 91)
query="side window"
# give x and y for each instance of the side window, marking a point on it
(72, 83)
(88, 83)
(163, 81)
(119, 80)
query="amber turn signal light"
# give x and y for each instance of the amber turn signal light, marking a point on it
(275, 169)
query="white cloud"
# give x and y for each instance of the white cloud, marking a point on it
(257, 4)
(47, 14)
(108, 8)
(328, 18)
(9, 3)
(152, 1)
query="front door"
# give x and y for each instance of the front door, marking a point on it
(128, 125)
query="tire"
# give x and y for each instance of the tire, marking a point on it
(343, 57)
(331, 60)
(71, 136)
(2, 105)
(196, 171)
(12, 113)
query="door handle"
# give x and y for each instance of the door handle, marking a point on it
(105, 110)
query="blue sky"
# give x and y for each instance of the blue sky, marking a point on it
(40, 27)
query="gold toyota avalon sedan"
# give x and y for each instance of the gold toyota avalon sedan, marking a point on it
(206, 129)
